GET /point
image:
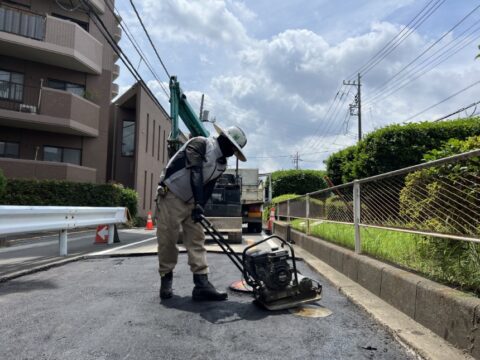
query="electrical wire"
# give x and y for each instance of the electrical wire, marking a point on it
(140, 52)
(444, 100)
(424, 52)
(149, 39)
(421, 21)
(118, 50)
(399, 35)
(459, 111)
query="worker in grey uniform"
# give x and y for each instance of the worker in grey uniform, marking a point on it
(185, 185)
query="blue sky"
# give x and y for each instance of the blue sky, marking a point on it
(274, 67)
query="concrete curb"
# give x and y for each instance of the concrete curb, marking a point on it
(450, 314)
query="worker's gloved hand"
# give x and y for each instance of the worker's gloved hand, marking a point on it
(197, 213)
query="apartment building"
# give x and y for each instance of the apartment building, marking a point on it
(57, 76)
(139, 132)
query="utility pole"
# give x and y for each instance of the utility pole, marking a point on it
(296, 160)
(357, 105)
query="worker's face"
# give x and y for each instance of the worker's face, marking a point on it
(228, 149)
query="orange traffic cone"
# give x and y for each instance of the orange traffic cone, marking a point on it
(149, 221)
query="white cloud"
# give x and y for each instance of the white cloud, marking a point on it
(208, 22)
(279, 88)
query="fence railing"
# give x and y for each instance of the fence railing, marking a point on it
(22, 22)
(27, 219)
(19, 97)
(440, 198)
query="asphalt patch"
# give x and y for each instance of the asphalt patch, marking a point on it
(110, 309)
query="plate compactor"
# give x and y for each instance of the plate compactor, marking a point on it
(272, 274)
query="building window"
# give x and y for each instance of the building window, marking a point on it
(146, 138)
(164, 148)
(9, 149)
(22, 23)
(159, 142)
(128, 138)
(72, 88)
(82, 24)
(11, 86)
(61, 154)
(153, 141)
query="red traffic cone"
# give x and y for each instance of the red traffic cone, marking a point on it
(149, 222)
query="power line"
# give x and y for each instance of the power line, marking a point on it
(419, 71)
(385, 49)
(423, 53)
(118, 50)
(149, 39)
(458, 111)
(410, 31)
(141, 54)
(444, 100)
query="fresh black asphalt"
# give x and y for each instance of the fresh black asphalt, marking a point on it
(109, 309)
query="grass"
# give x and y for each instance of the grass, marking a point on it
(414, 252)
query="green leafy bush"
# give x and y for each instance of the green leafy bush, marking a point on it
(394, 147)
(3, 184)
(65, 193)
(454, 261)
(297, 181)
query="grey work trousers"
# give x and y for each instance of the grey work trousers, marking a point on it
(173, 213)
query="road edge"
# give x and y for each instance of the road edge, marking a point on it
(423, 342)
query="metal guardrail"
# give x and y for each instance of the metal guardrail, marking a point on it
(440, 198)
(27, 219)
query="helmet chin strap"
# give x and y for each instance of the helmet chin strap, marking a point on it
(226, 146)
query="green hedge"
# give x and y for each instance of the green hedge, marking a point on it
(275, 200)
(65, 193)
(395, 147)
(3, 183)
(455, 261)
(297, 181)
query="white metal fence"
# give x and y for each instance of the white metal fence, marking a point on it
(27, 219)
(440, 198)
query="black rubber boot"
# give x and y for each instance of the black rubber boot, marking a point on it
(205, 291)
(166, 285)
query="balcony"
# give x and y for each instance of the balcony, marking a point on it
(47, 109)
(98, 6)
(42, 170)
(114, 90)
(49, 40)
(117, 34)
(116, 71)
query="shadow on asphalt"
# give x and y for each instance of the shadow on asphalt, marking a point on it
(223, 312)
(24, 286)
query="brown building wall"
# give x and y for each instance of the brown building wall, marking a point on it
(152, 126)
(98, 88)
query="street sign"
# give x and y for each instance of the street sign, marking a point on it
(102, 234)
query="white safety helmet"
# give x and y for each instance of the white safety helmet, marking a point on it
(237, 138)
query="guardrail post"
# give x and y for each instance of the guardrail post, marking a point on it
(62, 242)
(307, 213)
(288, 210)
(111, 233)
(356, 216)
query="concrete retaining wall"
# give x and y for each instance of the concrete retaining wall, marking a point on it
(451, 314)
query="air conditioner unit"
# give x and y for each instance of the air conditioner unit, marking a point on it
(27, 108)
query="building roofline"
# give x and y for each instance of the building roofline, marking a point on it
(133, 91)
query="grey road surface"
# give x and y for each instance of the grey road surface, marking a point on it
(109, 309)
(28, 251)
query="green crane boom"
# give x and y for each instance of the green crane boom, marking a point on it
(179, 106)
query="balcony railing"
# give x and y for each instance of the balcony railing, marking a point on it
(18, 97)
(56, 110)
(22, 23)
(49, 40)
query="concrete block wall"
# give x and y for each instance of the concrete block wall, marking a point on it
(451, 314)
